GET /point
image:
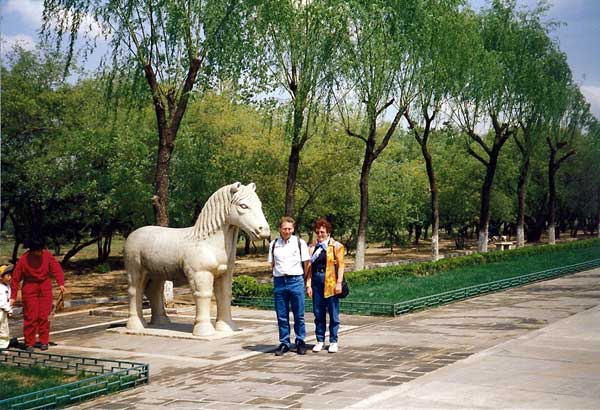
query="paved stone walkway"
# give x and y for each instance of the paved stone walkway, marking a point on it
(377, 355)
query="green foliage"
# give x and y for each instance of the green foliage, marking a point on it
(396, 289)
(244, 285)
(431, 268)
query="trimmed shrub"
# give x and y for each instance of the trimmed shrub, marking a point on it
(245, 285)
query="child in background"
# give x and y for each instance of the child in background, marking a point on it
(5, 307)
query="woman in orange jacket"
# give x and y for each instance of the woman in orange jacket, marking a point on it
(324, 282)
(36, 269)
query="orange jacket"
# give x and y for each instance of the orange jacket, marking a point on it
(335, 262)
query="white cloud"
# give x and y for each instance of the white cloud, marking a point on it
(592, 95)
(25, 41)
(29, 10)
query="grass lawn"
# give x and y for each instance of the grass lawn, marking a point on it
(16, 381)
(407, 287)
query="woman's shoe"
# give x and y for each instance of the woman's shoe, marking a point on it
(318, 347)
(44, 347)
(333, 348)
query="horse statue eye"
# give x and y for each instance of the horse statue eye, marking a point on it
(243, 206)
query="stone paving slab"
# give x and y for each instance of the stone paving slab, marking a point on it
(377, 355)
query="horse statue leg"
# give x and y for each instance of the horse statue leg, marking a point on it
(136, 278)
(223, 295)
(155, 293)
(202, 288)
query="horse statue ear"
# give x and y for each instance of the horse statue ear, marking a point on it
(252, 186)
(235, 186)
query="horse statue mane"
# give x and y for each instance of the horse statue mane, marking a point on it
(203, 255)
(215, 211)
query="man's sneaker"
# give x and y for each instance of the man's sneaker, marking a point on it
(318, 347)
(281, 350)
(29, 349)
(301, 347)
(333, 348)
(44, 347)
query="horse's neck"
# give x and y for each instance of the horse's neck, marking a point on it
(230, 237)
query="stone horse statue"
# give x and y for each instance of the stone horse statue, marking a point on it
(202, 255)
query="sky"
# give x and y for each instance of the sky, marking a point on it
(20, 20)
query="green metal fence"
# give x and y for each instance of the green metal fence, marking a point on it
(103, 377)
(396, 309)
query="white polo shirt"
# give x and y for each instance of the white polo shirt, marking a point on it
(287, 256)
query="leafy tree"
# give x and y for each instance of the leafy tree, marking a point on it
(300, 50)
(568, 119)
(537, 67)
(378, 69)
(486, 94)
(170, 44)
(435, 48)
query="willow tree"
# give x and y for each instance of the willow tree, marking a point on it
(485, 97)
(168, 44)
(569, 119)
(378, 74)
(539, 65)
(299, 41)
(434, 46)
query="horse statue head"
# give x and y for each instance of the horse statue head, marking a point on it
(246, 211)
(236, 205)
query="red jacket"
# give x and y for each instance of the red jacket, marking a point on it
(24, 272)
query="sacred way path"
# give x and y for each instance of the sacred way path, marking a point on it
(537, 346)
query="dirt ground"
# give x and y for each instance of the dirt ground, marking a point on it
(83, 281)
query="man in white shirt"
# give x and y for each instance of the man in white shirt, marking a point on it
(289, 258)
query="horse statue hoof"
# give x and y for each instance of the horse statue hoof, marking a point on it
(223, 326)
(203, 329)
(134, 323)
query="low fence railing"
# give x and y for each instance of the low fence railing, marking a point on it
(396, 309)
(100, 376)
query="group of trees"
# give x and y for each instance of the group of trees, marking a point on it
(391, 118)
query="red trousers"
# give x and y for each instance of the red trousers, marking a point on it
(37, 304)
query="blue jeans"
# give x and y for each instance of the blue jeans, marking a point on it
(289, 290)
(321, 306)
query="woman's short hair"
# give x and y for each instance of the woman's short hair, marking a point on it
(322, 222)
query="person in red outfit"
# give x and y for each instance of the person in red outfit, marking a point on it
(36, 269)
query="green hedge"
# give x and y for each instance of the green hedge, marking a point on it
(245, 285)
(430, 268)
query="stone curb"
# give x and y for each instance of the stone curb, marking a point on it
(82, 302)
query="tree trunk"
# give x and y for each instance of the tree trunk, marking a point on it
(167, 133)
(76, 248)
(552, 197)
(486, 194)
(521, 193)
(418, 230)
(359, 260)
(435, 206)
(294, 158)
(290, 186)
(161, 187)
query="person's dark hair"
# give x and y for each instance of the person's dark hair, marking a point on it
(35, 243)
(322, 222)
